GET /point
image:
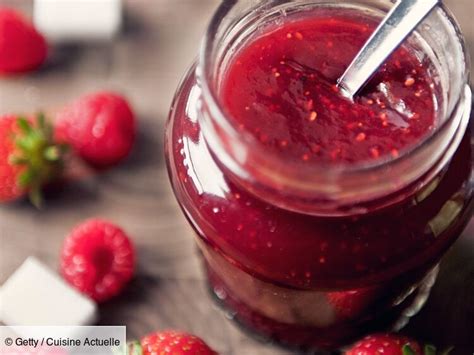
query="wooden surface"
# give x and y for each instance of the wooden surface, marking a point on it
(160, 40)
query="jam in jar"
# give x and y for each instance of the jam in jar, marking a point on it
(319, 218)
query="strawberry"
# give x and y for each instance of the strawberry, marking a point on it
(98, 259)
(22, 48)
(29, 157)
(389, 344)
(100, 127)
(170, 342)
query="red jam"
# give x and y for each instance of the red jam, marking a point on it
(304, 280)
(282, 89)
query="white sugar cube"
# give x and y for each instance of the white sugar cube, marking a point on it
(35, 296)
(78, 20)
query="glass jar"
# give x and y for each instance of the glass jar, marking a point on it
(315, 256)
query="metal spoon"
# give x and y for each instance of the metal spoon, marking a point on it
(402, 20)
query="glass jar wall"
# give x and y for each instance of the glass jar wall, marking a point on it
(310, 254)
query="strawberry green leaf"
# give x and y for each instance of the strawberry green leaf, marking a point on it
(42, 121)
(24, 125)
(25, 179)
(407, 350)
(24, 144)
(44, 127)
(132, 348)
(430, 349)
(40, 158)
(36, 197)
(447, 351)
(13, 160)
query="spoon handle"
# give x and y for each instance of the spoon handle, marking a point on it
(402, 19)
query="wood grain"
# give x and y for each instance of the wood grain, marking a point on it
(160, 40)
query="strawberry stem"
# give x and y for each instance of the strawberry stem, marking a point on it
(52, 153)
(39, 156)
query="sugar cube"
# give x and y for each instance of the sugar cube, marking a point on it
(36, 296)
(78, 20)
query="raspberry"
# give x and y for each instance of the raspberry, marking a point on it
(98, 259)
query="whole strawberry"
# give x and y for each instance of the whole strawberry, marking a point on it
(29, 157)
(22, 48)
(98, 259)
(170, 342)
(100, 127)
(389, 344)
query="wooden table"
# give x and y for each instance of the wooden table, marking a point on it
(160, 40)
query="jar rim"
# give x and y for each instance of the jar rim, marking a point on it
(311, 179)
